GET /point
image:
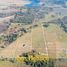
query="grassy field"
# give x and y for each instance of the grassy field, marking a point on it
(36, 39)
(55, 44)
(53, 36)
(9, 64)
(16, 48)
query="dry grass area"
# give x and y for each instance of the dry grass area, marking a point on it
(48, 36)
(16, 48)
(9, 64)
(36, 39)
(55, 45)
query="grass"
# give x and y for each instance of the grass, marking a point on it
(38, 39)
(6, 64)
(62, 36)
(53, 35)
(56, 39)
(9, 64)
(55, 29)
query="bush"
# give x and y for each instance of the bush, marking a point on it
(12, 60)
(46, 24)
(51, 63)
(11, 38)
(25, 54)
(24, 30)
(39, 61)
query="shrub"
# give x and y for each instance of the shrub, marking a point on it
(2, 47)
(12, 60)
(46, 24)
(25, 54)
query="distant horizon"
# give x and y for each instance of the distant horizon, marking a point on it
(31, 3)
(5, 3)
